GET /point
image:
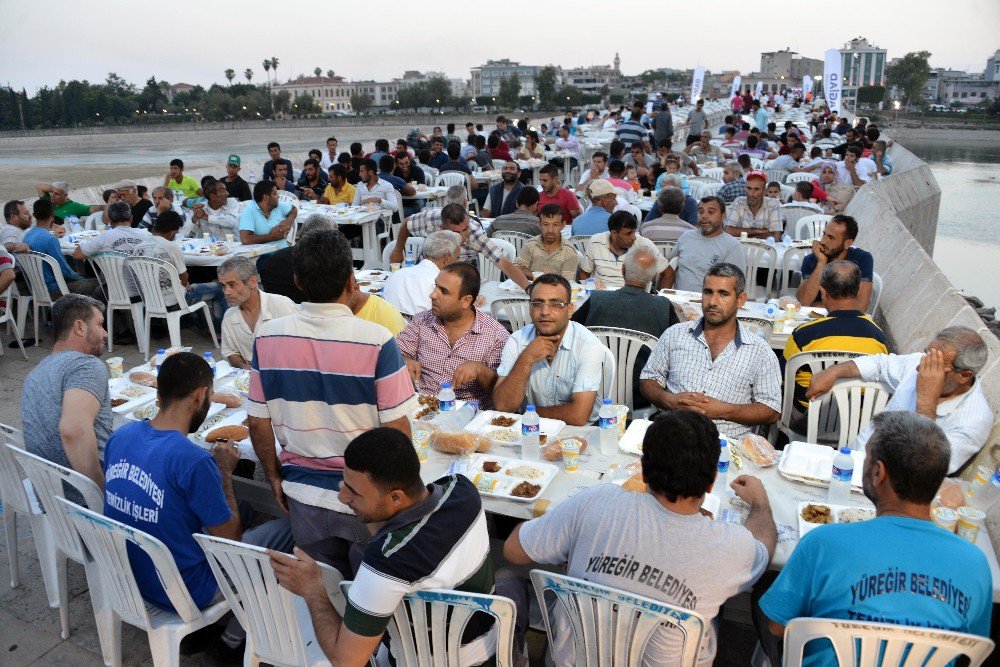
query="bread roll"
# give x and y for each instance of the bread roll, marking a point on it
(950, 494)
(553, 450)
(759, 450)
(458, 442)
(143, 378)
(228, 399)
(233, 433)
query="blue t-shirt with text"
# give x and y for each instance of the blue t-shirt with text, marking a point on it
(163, 484)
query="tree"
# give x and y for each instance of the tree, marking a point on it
(329, 73)
(274, 66)
(569, 96)
(510, 90)
(545, 84)
(317, 71)
(267, 68)
(910, 74)
(282, 101)
(303, 104)
(248, 73)
(230, 74)
(360, 103)
(872, 95)
(439, 90)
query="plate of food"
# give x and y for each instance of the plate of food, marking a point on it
(631, 442)
(232, 426)
(509, 478)
(812, 464)
(491, 421)
(812, 515)
(127, 395)
(149, 410)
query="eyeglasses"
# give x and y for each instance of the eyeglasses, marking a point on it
(538, 304)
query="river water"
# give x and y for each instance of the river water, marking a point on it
(968, 171)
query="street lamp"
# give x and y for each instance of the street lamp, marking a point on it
(895, 109)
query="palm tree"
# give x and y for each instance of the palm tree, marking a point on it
(248, 73)
(267, 68)
(274, 66)
(230, 74)
(317, 71)
(329, 73)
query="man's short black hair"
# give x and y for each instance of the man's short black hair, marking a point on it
(68, 309)
(616, 168)
(382, 145)
(549, 169)
(311, 163)
(493, 141)
(549, 210)
(804, 188)
(274, 144)
(665, 143)
(680, 455)
(357, 148)
(388, 458)
(370, 164)
(469, 275)
(386, 164)
(527, 197)
(177, 162)
(453, 214)
(329, 139)
(552, 279)
(168, 221)
(261, 189)
(205, 180)
(848, 221)
(620, 220)
(42, 209)
(454, 150)
(322, 263)
(314, 154)
(437, 140)
(10, 208)
(339, 169)
(180, 375)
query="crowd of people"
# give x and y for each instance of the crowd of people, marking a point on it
(335, 373)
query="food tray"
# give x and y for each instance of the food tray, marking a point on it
(835, 510)
(481, 424)
(681, 295)
(631, 442)
(508, 482)
(136, 394)
(213, 409)
(810, 464)
(237, 381)
(237, 417)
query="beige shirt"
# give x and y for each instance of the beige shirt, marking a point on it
(536, 259)
(237, 337)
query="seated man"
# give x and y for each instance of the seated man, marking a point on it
(598, 171)
(846, 327)
(755, 215)
(714, 365)
(552, 193)
(237, 188)
(550, 251)
(409, 289)
(522, 219)
(669, 226)
(283, 179)
(453, 341)
(312, 183)
(502, 198)
(386, 166)
(658, 535)
(275, 268)
(439, 155)
(412, 176)
(177, 181)
(57, 192)
(446, 546)
(339, 190)
(6, 271)
(932, 577)
(163, 200)
(939, 383)
(219, 215)
(18, 218)
(733, 185)
(65, 406)
(603, 202)
(553, 363)
(270, 171)
(41, 239)
(643, 163)
(703, 150)
(605, 252)
(855, 170)
(373, 308)
(837, 243)
(249, 307)
(374, 190)
(265, 219)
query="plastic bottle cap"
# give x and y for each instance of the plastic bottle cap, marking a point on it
(529, 408)
(845, 450)
(160, 351)
(446, 385)
(607, 401)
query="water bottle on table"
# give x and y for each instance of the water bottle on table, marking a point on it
(530, 431)
(590, 286)
(609, 428)
(446, 398)
(722, 480)
(458, 419)
(161, 354)
(211, 361)
(410, 259)
(840, 477)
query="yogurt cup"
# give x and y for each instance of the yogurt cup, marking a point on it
(970, 520)
(115, 366)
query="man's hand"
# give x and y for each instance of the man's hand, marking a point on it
(701, 403)
(820, 256)
(280, 230)
(413, 367)
(821, 383)
(300, 575)
(466, 373)
(278, 493)
(930, 380)
(226, 454)
(542, 347)
(749, 489)
(198, 212)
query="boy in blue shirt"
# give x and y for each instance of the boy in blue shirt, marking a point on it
(41, 238)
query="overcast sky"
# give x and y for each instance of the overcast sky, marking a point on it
(378, 40)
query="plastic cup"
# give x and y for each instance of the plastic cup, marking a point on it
(420, 439)
(395, 266)
(570, 454)
(622, 418)
(744, 236)
(970, 520)
(115, 366)
(229, 238)
(944, 517)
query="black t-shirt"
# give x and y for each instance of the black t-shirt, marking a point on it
(455, 165)
(139, 210)
(275, 271)
(416, 174)
(269, 169)
(238, 188)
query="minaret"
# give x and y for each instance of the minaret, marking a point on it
(618, 61)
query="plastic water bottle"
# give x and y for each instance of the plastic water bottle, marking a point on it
(253, 178)
(590, 286)
(211, 361)
(409, 259)
(840, 477)
(71, 223)
(458, 419)
(446, 398)
(161, 354)
(530, 449)
(609, 428)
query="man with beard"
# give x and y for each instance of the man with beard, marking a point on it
(219, 215)
(502, 198)
(313, 181)
(553, 363)
(836, 243)
(714, 365)
(453, 341)
(755, 215)
(699, 249)
(896, 568)
(249, 307)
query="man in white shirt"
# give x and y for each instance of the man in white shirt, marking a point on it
(605, 252)
(854, 170)
(330, 156)
(219, 215)
(939, 383)
(409, 289)
(373, 190)
(249, 308)
(120, 238)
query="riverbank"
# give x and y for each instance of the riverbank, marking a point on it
(942, 135)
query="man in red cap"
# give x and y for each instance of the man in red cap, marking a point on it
(755, 215)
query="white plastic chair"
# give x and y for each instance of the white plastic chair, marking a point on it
(288, 198)
(714, 173)
(112, 266)
(800, 176)
(426, 628)
(665, 247)
(19, 497)
(612, 627)
(876, 293)
(763, 256)
(147, 272)
(813, 362)
(107, 539)
(517, 309)
(498, 164)
(789, 276)
(48, 480)
(488, 270)
(860, 643)
(857, 402)
(517, 239)
(625, 345)
(7, 317)
(579, 243)
(758, 325)
(277, 622)
(811, 227)
(756, 163)
(795, 211)
(31, 264)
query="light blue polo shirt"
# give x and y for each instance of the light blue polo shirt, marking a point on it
(254, 220)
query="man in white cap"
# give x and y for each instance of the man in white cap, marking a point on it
(595, 220)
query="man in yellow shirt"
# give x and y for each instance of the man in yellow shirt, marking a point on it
(176, 180)
(339, 191)
(377, 310)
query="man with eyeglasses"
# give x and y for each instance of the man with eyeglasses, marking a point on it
(553, 363)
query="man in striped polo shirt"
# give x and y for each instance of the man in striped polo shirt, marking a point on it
(319, 378)
(432, 536)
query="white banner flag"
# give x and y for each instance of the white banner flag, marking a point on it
(697, 81)
(759, 89)
(832, 73)
(737, 85)
(807, 84)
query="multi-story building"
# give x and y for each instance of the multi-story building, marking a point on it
(863, 65)
(993, 67)
(382, 94)
(486, 78)
(331, 93)
(593, 79)
(788, 64)
(967, 90)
